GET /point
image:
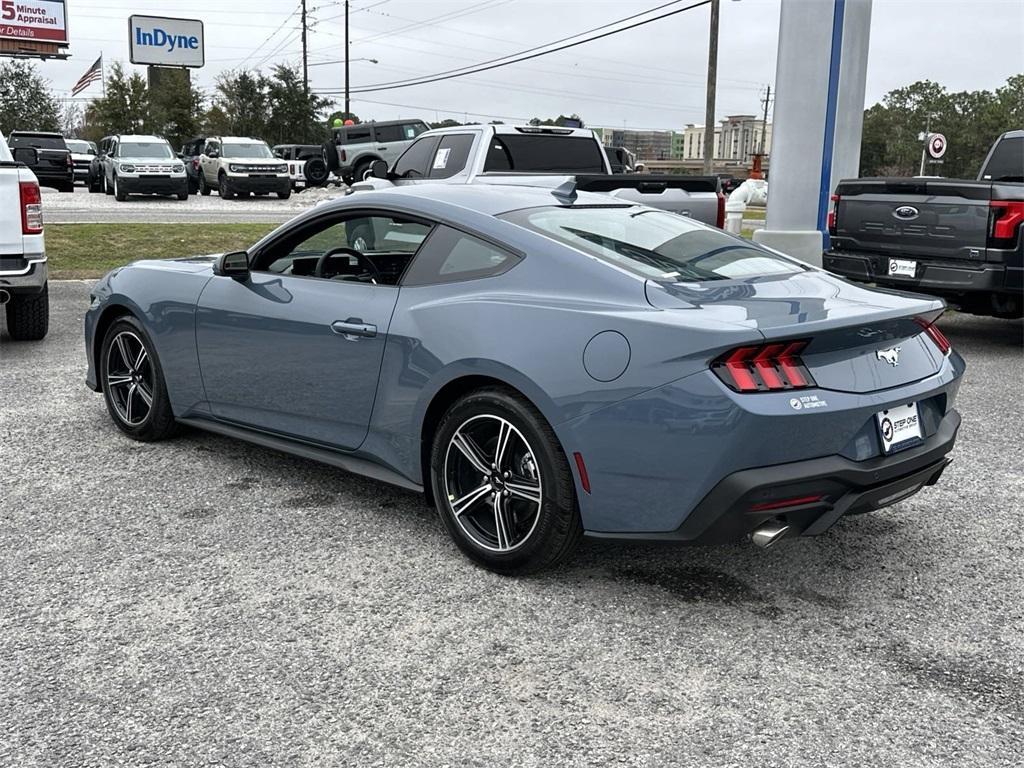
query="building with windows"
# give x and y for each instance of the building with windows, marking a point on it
(737, 138)
(646, 145)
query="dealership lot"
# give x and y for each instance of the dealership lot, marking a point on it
(207, 601)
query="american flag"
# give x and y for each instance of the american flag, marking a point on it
(92, 74)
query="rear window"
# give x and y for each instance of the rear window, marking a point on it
(655, 244)
(358, 135)
(39, 142)
(539, 153)
(1007, 161)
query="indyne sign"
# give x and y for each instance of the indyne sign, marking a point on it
(42, 20)
(166, 42)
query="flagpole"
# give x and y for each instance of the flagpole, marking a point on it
(103, 75)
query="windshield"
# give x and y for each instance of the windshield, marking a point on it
(156, 150)
(654, 244)
(260, 151)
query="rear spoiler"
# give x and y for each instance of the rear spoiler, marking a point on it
(647, 183)
(901, 185)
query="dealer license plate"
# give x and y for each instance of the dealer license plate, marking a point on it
(900, 427)
(902, 267)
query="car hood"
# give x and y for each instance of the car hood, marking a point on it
(802, 303)
(148, 160)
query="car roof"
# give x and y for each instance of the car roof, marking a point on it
(131, 138)
(547, 130)
(488, 199)
(237, 139)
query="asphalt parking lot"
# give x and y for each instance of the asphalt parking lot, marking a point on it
(204, 602)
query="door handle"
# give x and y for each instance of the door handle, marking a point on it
(354, 328)
(381, 149)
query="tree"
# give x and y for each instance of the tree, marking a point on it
(243, 97)
(124, 109)
(176, 107)
(561, 120)
(295, 114)
(26, 101)
(339, 114)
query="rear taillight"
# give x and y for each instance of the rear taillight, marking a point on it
(832, 212)
(31, 208)
(721, 210)
(1006, 218)
(935, 335)
(764, 368)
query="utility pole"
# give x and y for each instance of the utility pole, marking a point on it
(924, 146)
(764, 120)
(709, 114)
(305, 58)
(347, 111)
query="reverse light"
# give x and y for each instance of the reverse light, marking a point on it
(31, 208)
(832, 214)
(935, 335)
(772, 367)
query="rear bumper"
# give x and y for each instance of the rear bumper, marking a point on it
(27, 276)
(847, 487)
(933, 275)
(157, 185)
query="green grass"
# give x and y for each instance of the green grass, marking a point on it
(91, 250)
(754, 213)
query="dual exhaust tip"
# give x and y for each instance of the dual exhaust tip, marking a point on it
(768, 533)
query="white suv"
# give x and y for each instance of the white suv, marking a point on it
(134, 164)
(236, 165)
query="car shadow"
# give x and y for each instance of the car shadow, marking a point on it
(981, 333)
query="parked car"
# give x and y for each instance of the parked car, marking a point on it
(541, 366)
(53, 166)
(190, 154)
(82, 153)
(130, 164)
(238, 165)
(959, 239)
(354, 147)
(23, 286)
(542, 155)
(306, 164)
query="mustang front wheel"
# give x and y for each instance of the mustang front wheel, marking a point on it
(133, 383)
(502, 484)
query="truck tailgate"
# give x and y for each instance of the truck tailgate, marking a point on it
(693, 196)
(913, 217)
(10, 212)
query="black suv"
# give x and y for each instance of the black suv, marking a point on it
(189, 154)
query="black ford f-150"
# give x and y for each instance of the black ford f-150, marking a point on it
(54, 166)
(958, 239)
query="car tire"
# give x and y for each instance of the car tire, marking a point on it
(362, 236)
(119, 194)
(360, 170)
(183, 195)
(286, 194)
(316, 172)
(331, 158)
(128, 370)
(528, 520)
(95, 184)
(204, 188)
(67, 187)
(223, 189)
(107, 188)
(28, 316)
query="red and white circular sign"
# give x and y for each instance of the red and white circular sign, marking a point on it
(936, 145)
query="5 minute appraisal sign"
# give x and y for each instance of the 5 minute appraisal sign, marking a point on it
(41, 20)
(166, 42)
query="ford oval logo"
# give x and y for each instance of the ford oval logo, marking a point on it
(906, 213)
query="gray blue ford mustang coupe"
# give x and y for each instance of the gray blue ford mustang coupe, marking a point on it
(542, 365)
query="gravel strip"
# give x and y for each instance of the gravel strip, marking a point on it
(204, 602)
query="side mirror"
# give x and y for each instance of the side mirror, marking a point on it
(378, 169)
(213, 154)
(234, 265)
(26, 155)
(91, 152)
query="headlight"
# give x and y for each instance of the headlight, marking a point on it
(236, 168)
(179, 169)
(127, 168)
(283, 169)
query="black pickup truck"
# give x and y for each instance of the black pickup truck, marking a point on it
(54, 166)
(958, 239)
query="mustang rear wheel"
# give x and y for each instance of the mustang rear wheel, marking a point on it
(133, 383)
(503, 487)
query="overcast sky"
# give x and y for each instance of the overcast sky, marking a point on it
(649, 77)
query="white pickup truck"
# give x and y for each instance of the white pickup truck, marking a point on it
(23, 290)
(541, 155)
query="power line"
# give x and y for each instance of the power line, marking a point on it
(520, 57)
(271, 35)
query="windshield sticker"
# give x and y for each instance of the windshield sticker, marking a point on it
(441, 158)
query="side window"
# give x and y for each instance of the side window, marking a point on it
(452, 256)
(412, 130)
(383, 247)
(386, 133)
(357, 134)
(414, 162)
(452, 155)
